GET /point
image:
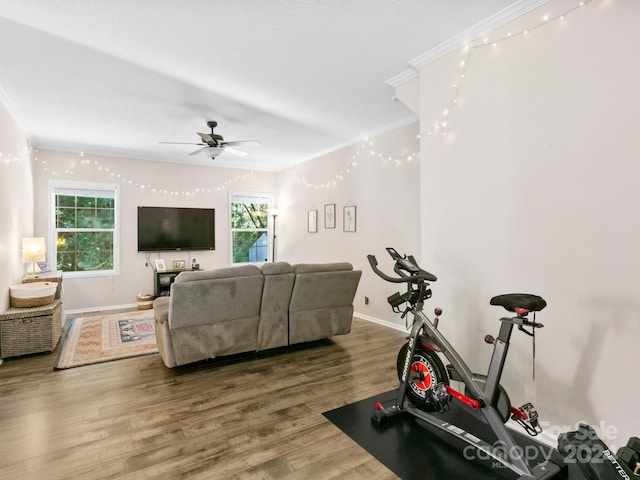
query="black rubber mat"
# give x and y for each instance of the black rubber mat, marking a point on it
(413, 449)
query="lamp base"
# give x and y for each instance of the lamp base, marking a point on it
(34, 270)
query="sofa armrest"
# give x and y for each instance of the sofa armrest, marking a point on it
(161, 309)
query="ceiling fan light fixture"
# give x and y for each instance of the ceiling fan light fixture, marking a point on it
(212, 152)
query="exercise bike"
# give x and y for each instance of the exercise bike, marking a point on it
(424, 390)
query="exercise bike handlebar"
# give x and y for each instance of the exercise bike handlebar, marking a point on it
(403, 264)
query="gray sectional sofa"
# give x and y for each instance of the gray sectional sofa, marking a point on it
(213, 313)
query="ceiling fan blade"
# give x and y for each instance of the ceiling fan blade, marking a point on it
(206, 137)
(182, 143)
(243, 142)
(235, 151)
(195, 152)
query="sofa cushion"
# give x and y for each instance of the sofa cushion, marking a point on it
(324, 289)
(273, 329)
(321, 267)
(322, 301)
(161, 309)
(276, 268)
(212, 300)
(241, 271)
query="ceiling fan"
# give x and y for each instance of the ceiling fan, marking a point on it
(213, 144)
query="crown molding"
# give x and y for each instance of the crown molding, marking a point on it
(497, 20)
(403, 77)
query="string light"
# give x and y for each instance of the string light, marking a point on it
(439, 126)
(365, 150)
(114, 175)
(25, 154)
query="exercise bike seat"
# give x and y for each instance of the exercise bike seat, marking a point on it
(524, 301)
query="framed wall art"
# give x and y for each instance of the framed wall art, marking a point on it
(312, 221)
(330, 215)
(349, 218)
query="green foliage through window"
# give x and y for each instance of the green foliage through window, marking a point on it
(249, 235)
(85, 227)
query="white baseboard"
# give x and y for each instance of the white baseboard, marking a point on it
(384, 323)
(94, 310)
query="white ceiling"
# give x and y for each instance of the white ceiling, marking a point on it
(115, 77)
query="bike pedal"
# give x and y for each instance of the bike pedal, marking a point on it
(439, 398)
(527, 417)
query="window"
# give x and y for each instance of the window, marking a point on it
(84, 228)
(249, 227)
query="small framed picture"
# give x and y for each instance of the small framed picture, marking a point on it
(349, 224)
(179, 264)
(312, 221)
(160, 266)
(330, 215)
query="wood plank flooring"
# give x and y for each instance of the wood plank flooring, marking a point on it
(252, 418)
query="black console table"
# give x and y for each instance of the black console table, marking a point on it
(163, 281)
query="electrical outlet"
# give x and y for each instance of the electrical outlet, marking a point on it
(366, 300)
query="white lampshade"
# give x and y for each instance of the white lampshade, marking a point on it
(33, 250)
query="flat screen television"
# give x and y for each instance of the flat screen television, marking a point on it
(171, 228)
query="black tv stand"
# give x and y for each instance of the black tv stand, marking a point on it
(163, 280)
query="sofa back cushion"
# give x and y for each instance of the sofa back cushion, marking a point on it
(322, 301)
(323, 285)
(206, 297)
(241, 271)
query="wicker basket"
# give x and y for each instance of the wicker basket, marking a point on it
(145, 302)
(30, 330)
(31, 302)
(25, 295)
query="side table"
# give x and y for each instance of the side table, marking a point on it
(30, 330)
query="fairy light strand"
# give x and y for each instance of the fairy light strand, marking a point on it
(24, 155)
(366, 149)
(126, 180)
(440, 126)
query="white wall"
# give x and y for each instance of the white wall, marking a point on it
(535, 189)
(135, 276)
(386, 194)
(384, 189)
(16, 201)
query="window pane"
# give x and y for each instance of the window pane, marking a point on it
(66, 217)
(105, 218)
(65, 201)
(66, 242)
(86, 201)
(66, 262)
(94, 260)
(250, 247)
(248, 215)
(103, 202)
(86, 218)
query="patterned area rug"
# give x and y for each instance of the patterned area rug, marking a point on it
(107, 337)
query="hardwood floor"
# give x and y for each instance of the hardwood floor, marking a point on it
(253, 418)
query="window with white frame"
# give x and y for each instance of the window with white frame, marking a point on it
(249, 222)
(84, 228)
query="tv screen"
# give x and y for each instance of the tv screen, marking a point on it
(169, 228)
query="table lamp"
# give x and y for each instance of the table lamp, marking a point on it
(33, 250)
